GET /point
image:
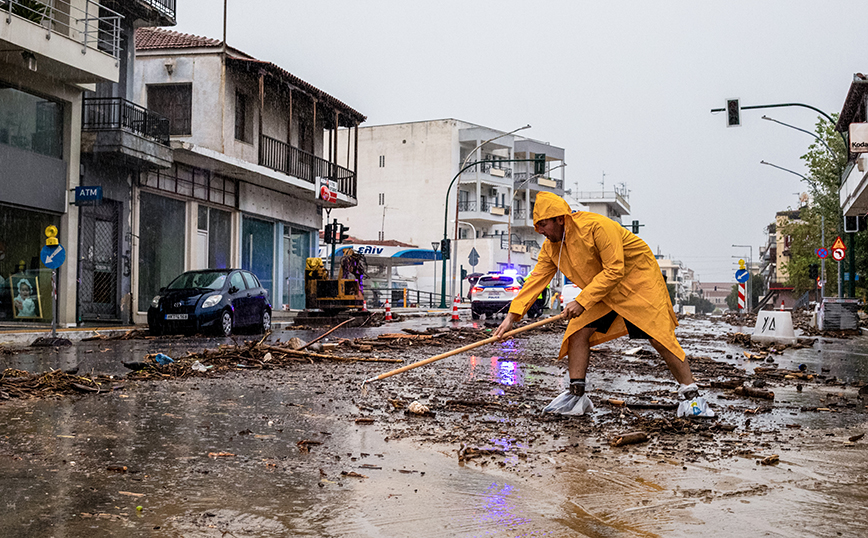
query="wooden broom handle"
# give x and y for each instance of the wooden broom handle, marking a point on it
(468, 347)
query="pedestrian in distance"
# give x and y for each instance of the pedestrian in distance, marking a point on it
(623, 293)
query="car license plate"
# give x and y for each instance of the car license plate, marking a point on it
(494, 295)
(171, 317)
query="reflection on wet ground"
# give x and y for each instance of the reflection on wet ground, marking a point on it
(279, 453)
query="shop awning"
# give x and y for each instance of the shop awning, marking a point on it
(385, 255)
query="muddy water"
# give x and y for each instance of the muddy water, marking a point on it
(264, 453)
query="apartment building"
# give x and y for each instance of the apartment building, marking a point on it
(420, 181)
(52, 52)
(252, 148)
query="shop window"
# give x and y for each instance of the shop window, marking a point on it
(31, 122)
(213, 238)
(161, 244)
(22, 275)
(175, 102)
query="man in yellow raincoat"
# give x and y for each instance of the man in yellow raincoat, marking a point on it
(623, 291)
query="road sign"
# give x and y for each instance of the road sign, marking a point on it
(85, 195)
(52, 256)
(473, 258)
(742, 275)
(838, 254)
(839, 244)
(822, 252)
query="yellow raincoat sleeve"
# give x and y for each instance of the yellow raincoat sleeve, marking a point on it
(610, 248)
(536, 282)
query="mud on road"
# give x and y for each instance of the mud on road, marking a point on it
(317, 455)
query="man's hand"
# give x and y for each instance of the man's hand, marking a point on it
(573, 310)
(507, 324)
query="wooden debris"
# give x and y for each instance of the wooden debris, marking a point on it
(855, 438)
(771, 460)
(629, 439)
(751, 392)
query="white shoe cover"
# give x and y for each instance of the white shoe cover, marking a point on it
(567, 404)
(697, 407)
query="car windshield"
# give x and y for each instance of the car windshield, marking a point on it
(199, 279)
(499, 281)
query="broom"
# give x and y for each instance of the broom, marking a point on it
(468, 347)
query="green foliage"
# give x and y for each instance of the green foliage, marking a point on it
(671, 288)
(30, 10)
(703, 305)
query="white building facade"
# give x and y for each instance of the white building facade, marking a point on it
(413, 167)
(252, 145)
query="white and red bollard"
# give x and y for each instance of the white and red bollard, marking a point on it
(388, 311)
(455, 308)
(741, 300)
(782, 305)
(364, 306)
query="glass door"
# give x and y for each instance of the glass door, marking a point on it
(257, 251)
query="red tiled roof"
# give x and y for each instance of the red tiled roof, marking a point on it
(157, 38)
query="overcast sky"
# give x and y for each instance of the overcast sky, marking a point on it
(625, 87)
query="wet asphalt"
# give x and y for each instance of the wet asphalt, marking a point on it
(281, 453)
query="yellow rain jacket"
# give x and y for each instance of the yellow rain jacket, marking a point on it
(615, 269)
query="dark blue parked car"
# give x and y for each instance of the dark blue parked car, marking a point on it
(211, 299)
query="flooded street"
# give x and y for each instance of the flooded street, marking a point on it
(304, 451)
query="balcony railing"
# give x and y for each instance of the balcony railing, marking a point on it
(167, 7)
(115, 113)
(501, 170)
(298, 163)
(87, 22)
(521, 179)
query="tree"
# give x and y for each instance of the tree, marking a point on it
(703, 305)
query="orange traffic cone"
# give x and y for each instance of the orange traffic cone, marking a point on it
(388, 311)
(364, 306)
(455, 309)
(782, 304)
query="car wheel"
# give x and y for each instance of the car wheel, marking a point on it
(155, 330)
(226, 323)
(266, 320)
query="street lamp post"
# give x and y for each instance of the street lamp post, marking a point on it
(434, 246)
(464, 166)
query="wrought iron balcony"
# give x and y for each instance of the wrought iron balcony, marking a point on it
(115, 113)
(305, 166)
(166, 7)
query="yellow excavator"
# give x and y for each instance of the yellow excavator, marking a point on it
(329, 295)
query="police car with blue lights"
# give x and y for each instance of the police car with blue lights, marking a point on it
(493, 292)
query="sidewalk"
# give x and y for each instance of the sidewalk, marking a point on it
(23, 335)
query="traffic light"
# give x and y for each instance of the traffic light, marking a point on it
(463, 273)
(733, 113)
(813, 271)
(328, 237)
(445, 248)
(635, 226)
(342, 234)
(539, 164)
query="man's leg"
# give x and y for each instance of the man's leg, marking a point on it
(680, 369)
(579, 352)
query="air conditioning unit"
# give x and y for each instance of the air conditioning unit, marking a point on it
(492, 192)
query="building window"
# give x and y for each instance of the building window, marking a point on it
(382, 198)
(30, 122)
(382, 161)
(243, 118)
(194, 183)
(175, 102)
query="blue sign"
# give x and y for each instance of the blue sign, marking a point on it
(742, 275)
(52, 257)
(87, 194)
